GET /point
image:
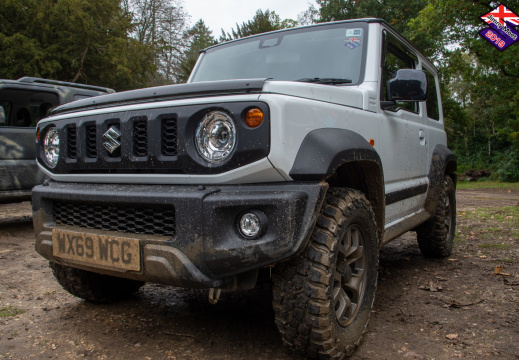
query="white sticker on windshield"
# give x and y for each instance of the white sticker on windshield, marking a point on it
(353, 32)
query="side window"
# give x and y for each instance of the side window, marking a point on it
(433, 111)
(24, 108)
(6, 110)
(395, 57)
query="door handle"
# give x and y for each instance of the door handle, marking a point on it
(421, 134)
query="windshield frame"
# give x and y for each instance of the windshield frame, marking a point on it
(347, 24)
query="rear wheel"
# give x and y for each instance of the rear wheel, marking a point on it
(94, 287)
(322, 299)
(436, 236)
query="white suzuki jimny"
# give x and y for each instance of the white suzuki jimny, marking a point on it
(300, 151)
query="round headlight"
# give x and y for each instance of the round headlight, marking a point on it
(51, 146)
(215, 137)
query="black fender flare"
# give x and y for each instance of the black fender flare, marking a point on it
(443, 162)
(323, 151)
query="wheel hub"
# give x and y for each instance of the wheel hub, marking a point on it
(350, 276)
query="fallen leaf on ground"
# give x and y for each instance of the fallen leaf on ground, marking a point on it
(499, 271)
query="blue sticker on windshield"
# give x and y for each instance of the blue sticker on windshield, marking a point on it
(353, 32)
(352, 42)
(353, 38)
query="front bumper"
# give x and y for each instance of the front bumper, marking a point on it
(206, 249)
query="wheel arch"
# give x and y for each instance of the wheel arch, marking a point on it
(443, 162)
(343, 158)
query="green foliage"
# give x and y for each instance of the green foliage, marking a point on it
(473, 185)
(508, 169)
(8, 311)
(200, 38)
(262, 22)
(480, 84)
(72, 40)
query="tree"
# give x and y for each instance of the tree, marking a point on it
(397, 13)
(200, 37)
(308, 17)
(262, 22)
(160, 24)
(482, 81)
(72, 40)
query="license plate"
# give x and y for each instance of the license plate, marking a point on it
(119, 253)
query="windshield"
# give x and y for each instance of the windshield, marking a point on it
(330, 54)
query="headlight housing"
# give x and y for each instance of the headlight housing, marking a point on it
(216, 137)
(51, 146)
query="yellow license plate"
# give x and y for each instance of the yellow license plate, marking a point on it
(118, 253)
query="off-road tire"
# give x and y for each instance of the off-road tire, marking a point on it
(309, 291)
(94, 287)
(436, 236)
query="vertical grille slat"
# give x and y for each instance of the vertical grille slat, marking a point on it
(91, 141)
(169, 136)
(140, 136)
(72, 142)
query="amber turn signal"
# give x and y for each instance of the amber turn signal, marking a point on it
(254, 117)
(38, 135)
(372, 142)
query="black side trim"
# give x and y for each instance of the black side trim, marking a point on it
(168, 92)
(324, 150)
(443, 162)
(403, 194)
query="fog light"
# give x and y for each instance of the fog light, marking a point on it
(253, 225)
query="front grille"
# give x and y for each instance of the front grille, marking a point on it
(150, 141)
(91, 142)
(120, 218)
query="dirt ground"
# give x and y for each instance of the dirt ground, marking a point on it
(466, 306)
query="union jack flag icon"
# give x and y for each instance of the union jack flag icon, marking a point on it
(502, 14)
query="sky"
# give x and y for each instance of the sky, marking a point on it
(218, 14)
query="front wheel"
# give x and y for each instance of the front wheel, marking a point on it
(94, 287)
(323, 298)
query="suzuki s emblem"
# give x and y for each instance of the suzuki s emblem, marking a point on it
(112, 137)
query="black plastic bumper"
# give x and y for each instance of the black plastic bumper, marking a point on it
(207, 249)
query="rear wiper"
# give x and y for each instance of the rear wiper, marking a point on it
(329, 81)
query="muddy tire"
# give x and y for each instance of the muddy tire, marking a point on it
(94, 287)
(436, 236)
(322, 298)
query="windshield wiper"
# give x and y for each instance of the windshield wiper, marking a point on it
(327, 81)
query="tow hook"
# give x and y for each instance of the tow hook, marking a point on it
(214, 295)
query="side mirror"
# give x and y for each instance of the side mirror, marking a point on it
(2, 116)
(406, 85)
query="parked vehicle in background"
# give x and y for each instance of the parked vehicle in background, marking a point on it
(300, 152)
(23, 103)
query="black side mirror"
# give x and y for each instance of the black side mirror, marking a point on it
(406, 85)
